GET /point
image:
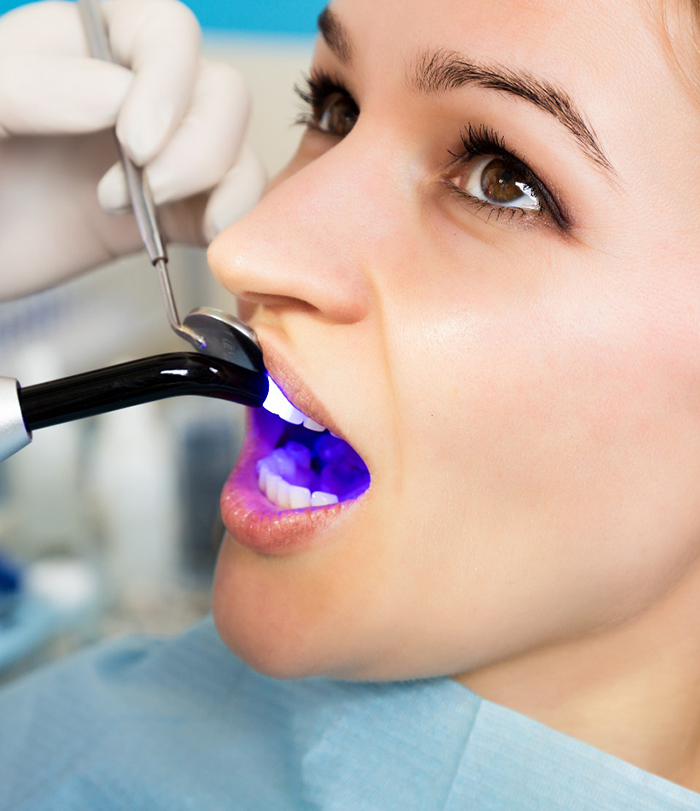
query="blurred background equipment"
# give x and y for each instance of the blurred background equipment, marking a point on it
(111, 525)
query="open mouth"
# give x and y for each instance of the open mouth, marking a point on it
(304, 465)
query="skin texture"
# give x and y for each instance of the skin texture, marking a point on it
(527, 400)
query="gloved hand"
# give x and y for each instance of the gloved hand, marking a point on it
(181, 117)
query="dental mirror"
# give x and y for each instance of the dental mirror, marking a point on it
(227, 337)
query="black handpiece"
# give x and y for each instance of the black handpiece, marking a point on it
(136, 382)
(23, 410)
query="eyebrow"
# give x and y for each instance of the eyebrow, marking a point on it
(442, 71)
(335, 35)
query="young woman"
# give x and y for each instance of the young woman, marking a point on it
(480, 273)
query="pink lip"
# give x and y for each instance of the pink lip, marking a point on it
(295, 389)
(252, 521)
(247, 514)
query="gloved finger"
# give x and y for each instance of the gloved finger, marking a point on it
(235, 195)
(159, 40)
(50, 28)
(112, 193)
(198, 219)
(59, 95)
(202, 150)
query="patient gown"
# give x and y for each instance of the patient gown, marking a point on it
(146, 724)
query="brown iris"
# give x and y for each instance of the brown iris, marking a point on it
(338, 115)
(501, 182)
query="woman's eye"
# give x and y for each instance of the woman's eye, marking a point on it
(330, 107)
(500, 183)
(336, 115)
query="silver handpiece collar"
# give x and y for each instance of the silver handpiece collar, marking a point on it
(13, 433)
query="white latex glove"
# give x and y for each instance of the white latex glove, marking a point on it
(182, 117)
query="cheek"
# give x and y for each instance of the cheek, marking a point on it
(558, 437)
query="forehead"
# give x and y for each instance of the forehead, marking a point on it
(610, 57)
(576, 41)
(528, 22)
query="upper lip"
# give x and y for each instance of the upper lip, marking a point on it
(294, 388)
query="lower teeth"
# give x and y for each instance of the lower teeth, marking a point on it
(290, 496)
(292, 481)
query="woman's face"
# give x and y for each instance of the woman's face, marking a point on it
(482, 270)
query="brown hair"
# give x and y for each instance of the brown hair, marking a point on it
(680, 26)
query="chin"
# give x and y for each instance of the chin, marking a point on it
(273, 614)
(266, 656)
(304, 615)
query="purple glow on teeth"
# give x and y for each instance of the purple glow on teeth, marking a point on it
(333, 468)
(309, 466)
(275, 399)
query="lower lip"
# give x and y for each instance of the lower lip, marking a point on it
(260, 526)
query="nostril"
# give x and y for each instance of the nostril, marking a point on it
(272, 301)
(337, 311)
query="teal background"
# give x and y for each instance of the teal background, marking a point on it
(246, 16)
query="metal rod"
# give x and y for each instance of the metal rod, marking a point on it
(137, 184)
(197, 341)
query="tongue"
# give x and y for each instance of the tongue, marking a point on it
(342, 472)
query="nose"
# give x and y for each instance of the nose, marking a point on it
(305, 245)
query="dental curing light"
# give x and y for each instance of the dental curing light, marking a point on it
(24, 410)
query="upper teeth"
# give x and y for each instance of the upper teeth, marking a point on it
(278, 404)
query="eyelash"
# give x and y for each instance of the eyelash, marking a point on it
(482, 140)
(476, 141)
(317, 88)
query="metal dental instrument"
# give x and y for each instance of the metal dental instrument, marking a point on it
(208, 329)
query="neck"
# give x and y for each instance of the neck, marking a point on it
(632, 691)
